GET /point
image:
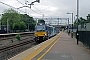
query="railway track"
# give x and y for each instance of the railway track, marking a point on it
(11, 40)
(12, 36)
(9, 49)
(15, 46)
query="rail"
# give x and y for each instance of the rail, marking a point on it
(15, 46)
(12, 35)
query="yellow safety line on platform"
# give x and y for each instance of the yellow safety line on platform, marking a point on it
(40, 49)
(48, 49)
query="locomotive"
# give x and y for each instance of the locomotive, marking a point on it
(43, 32)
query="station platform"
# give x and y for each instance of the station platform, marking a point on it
(60, 47)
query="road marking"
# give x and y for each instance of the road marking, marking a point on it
(48, 49)
(41, 48)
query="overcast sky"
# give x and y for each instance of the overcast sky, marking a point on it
(50, 8)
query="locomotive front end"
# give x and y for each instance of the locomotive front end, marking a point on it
(40, 33)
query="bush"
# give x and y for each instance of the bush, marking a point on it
(18, 36)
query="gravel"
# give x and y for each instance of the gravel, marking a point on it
(8, 54)
(5, 43)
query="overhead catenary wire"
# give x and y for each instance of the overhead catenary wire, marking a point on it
(20, 7)
(10, 6)
(6, 4)
(20, 2)
(35, 8)
(38, 10)
(26, 6)
(30, 9)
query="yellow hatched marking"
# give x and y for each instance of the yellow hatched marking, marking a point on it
(48, 50)
(40, 49)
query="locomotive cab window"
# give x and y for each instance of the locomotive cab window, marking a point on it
(40, 27)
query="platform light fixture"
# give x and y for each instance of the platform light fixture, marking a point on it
(72, 25)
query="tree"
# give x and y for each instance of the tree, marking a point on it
(20, 25)
(32, 26)
(88, 18)
(75, 23)
(10, 15)
(41, 21)
(81, 21)
(18, 21)
(14, 20)
(16, 26)
(28, 20)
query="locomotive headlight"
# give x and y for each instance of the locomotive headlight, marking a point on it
(45, 34)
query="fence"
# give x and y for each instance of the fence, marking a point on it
(84, 37)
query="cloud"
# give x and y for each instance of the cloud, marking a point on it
(51, 8)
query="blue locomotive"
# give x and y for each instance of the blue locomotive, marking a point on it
(43, 32)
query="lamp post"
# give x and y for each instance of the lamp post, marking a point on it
(7, 26)
(77, 20)
(72, 25)
(68, 27)
(0, 20)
